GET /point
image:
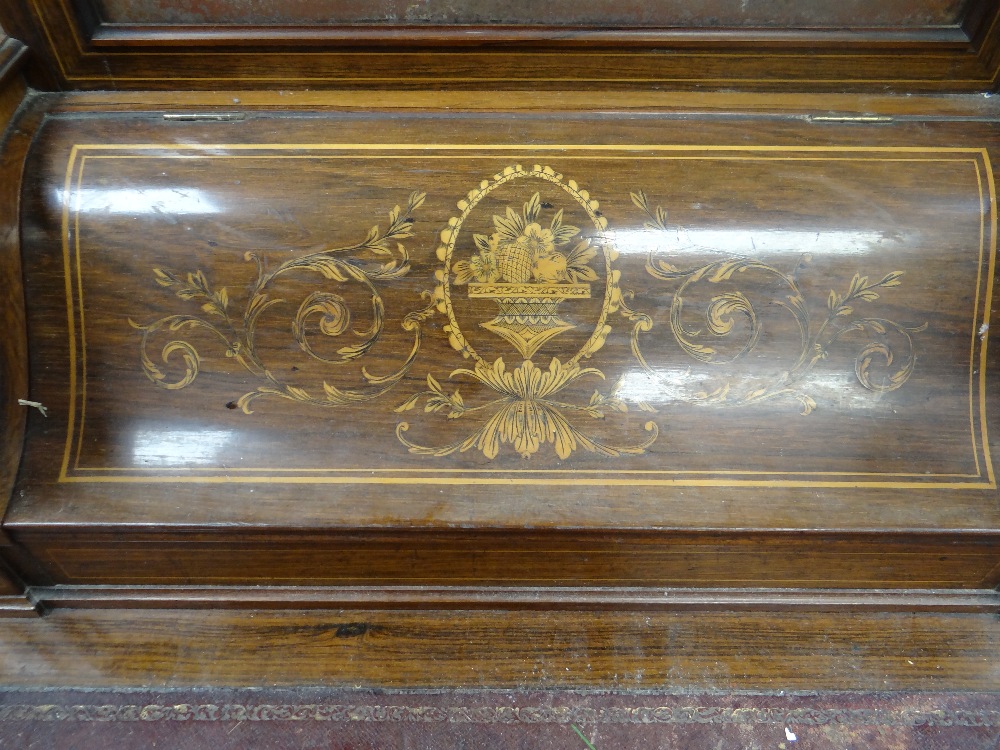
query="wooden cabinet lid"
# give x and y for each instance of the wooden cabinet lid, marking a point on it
(510, 320)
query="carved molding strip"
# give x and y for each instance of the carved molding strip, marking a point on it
(690, 714)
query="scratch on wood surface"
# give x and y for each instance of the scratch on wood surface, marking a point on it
(37, 404)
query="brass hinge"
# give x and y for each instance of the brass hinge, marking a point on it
(204, 116)
(860, 119)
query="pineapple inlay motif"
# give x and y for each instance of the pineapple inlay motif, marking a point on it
(523, 268)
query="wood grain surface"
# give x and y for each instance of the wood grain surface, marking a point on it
(694, 650)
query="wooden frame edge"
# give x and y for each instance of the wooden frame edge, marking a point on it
(13, 54)
(14, 345)
(549, 38)
(89, 54)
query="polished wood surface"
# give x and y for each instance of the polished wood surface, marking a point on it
(94, 234)
(839, 475)
(913, 46)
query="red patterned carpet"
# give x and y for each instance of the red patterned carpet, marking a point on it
(556, 720)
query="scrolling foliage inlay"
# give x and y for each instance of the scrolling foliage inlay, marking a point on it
(238, 333)
(531, 263)
(814, 346)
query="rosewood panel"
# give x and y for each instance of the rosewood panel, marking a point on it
(616, 331)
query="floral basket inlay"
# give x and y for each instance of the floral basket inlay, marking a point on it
(528, 316)
(523, 267)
